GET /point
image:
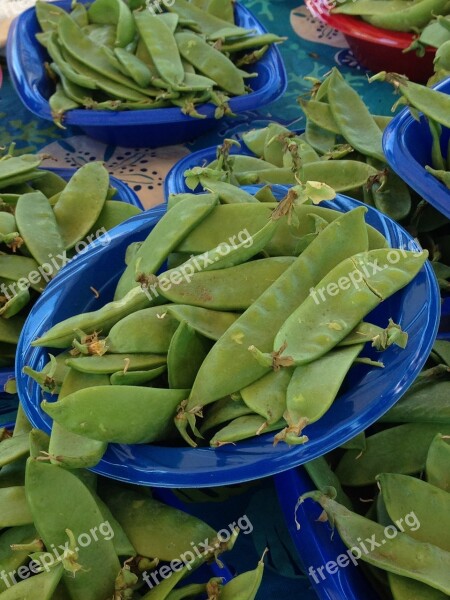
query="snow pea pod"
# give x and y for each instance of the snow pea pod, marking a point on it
(165, 237)
(243, 428)
(48, 15)
(413, 16)
(154, 528)
(380, 338)
(356, 125)
(401, 555)
(10, 329)
(134, 67)
(144, 331)
(208, 24)
(18, 165)
(234, 288)
(15, 304)
(229, 365)
(321, 323)
(68, 449)
(223, 9)
(40, 587)
(59, 104)
(228, 194)
(112, 214)
(22, 424)
(403, 588)
(38, 227)
(161, 45)
(60, 501)
(254, 41)
(110, 363)
(186, 353)
(84, 196)
(11, 560)
(15, 509)
(212, 324)
(136, 377)
(244, 586)
(193, 590)
(223, 411)
(114, 12)
(13, 448)
(267, 395)
(402, 493)
(65, 68)
(150, 413)
(392, 197)
(323, 477)
(210, 62)
(401, 449)
(436, 466)
(341, 175)
(426, 402)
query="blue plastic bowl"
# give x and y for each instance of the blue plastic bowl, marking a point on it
(407, 147)
(369, 392)
(316, 542)
(139, 128)
(124, 193)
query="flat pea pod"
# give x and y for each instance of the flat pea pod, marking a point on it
(22, 424)
(52, 375)
(280, 175)
(403, 588)
(15, 267)
(229, 365)
(102, 35)
(243, 428)
(15, 509)
(192, 590)
(165, 237)
(436, 466)
(214, 289)
(380, 338)
(244, 586)
(10, 560)
(154, 528)
(68, 449)
(15, 304)
(223, 411)
(400, 449)
(40, 587)
(110, 363)
(267, 395)
(210, 62)
(314, 387)
(254, 41)
(13, 448)
(401, 555)
(341, 175)
(323, 477)
(136, 377)
(273, 145)
(186, 353)
(18, 165)
(39, 441)
(112, 214)
(426, 402)
(48, 15)
(255, 140)
(228, 194)
(209, 24)
(402, 493)
(150, 413)
(114, 12)
(411, 18)
(61, 335)
(161, 45)
(134, 67)
(145, 331)
(59, 104)
(66, 69)
(356, 125)
(212, 324)
(84, 196)
(393, 197)
(38, 227)
(370, 7)
(10, 329)
(60, 501)
(321, 323)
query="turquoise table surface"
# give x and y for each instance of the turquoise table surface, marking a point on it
(311, 50)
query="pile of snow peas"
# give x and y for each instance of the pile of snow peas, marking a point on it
(209, 348)
(107, 56)
(392, 485)
(70, 534)
(44, 221)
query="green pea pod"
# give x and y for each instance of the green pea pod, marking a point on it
(323, 477)
(392, 197)
(442, 175)
(267, 396)
(53, 373)
(18, 165)
(160, 43)
(355, 443)
(320, 114)
(85, 196)
(136, 377)
(59, 104)
(38, 227)
(117, 13)
(214, 289)
(243, 428)
(229, 365)
(48, 15)
(251, 42)
(212, 324)
(10, 329)
(11, 560)
(274, 143)
(15, 509)
(102, 35)
(244, 586)
(319, 138)
(66, 69)
(11, 449)
(313, 388)
(210, 62)
(255, 140)
(321, 322)
(110, 363)
(223, 411)
(430, 505)
(122, 544)
(15, 304)
(228, 194)
(39, 587)
(22, 424)
(145, 331)
(186, 353)
(164, 238)
(401, 555)
(154, 528)
(151, 411)
(134, 67)
(401, 449)
(112, 214)
(380, 338)
(60, 501)
(209, 24)
(403, 588)
(188, 591)
(342, 175)
(436, 467)
(38, 443)
(265, 194)
(427, 402)
(282, 176)
(411, 18)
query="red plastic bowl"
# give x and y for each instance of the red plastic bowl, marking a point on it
(375, 48)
